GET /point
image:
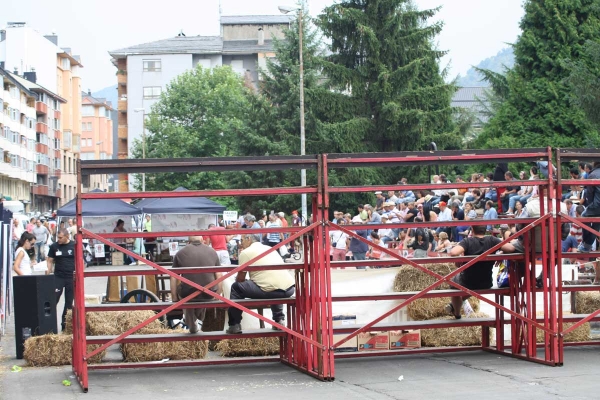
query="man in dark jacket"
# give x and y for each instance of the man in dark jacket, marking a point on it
(592, 201)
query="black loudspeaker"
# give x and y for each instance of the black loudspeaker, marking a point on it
(35, 307)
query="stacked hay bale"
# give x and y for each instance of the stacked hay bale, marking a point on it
(113, 322)
(463, 336)
(249, 347)
(580, 334)
(54, 350)
(410, 279)
(587, 302)
(214, 321)
(156, 351)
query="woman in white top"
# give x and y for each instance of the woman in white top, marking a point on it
(22, 264)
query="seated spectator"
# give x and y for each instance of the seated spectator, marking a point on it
(479, 275)
(380, 201)
(386, 235)
(457, 215)
(267, 284)
(405, 196)
(418, 240)
(490, 213)
(391, 197)
(443, 244)
(570, 208)
(411, 212)
(470, 214)
(444, 215)
(511, 191)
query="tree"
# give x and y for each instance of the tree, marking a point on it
(537, 111)
(584, 81)
(200, 114)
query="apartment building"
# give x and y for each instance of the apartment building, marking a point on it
(144, 70)
(26, 51)
(96, 135)
(17, 139)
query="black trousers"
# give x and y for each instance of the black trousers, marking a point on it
(250, 290)
(67, 285)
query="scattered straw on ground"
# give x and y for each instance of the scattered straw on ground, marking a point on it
(113, 322)
(411, 279)
(156, 351)
(424, 309)
(587, 302)
(249, 347)
(580, 334)
(53, 350)
(463, 336)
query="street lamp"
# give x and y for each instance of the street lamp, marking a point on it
(143, 111)
(287, 10)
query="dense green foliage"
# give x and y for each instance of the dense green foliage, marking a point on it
(584, 81)
(537, 111)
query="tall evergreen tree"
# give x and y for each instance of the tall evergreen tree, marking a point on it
(383, 61)
(537, 111)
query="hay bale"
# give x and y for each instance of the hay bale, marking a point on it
(113, 322)
(156, 351)
(461, 336)
(587, 302)
(54, 350)
(411, 279)
(425, 309)
(581, 334)
(249, 347)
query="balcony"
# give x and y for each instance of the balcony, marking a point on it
(122, 131)
(41, 148)
(40, 190)
(57, 193)
(41, 169)
(41, 128)
(57, 153)
(57, 173)
(57, 134)
(122, 105)
(41, 108)
(56, 114)
(122, 79)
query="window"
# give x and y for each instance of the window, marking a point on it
(89, 142)
(89, 126)
(66, 64)
(30, 123)
(67, 135)
(87, 111)
(14, 138)
(152, 92)
(14, 92)
(107, 113)
(83, 126)
(238, 66)
(152, 65)
(6, 132)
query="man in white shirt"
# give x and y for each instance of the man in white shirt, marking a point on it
(445, 214)
(387, 234)
(268, 284)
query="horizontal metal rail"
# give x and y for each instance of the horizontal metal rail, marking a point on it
(185, 363)
(184, 337)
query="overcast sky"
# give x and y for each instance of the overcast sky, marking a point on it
(474, 29)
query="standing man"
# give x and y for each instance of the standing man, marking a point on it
(219, 244)
(41, 238)
(72, 229)
(61, 262)
(195, 254)
(17, 231)
(30, 225)
(479, 275)
(148, 223)
(268, 284)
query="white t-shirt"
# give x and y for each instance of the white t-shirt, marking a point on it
(25, 266)
(339, 238)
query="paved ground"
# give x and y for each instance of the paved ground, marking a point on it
(456, 376)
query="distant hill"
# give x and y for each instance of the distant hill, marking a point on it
(109, 93)
(504, 59)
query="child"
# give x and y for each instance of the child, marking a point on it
(375, 254)
(443, 245)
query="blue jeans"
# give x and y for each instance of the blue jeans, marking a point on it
(493, 196)
(39, 251)
(359, 257)
(506, 201)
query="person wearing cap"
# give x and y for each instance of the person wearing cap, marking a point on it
(386, 234)
(444, 215)
(380, 201)
(339, 242)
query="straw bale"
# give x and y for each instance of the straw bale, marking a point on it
(54, 350)
(462, 336)
(249, 347)
(587, 302)
(411, 279)
(113, 322)
(581, 334)
(156, 351)
(424, 309)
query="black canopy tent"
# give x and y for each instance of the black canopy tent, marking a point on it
(180, 205)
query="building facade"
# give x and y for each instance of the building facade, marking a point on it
(144, 71)
(96, 135)
(18, 156)
(56, 71)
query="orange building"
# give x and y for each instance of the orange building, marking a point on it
(96, 134)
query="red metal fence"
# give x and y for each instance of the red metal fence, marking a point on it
(307, 341)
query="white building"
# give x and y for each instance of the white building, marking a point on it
(18, 154)
(143, 71)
